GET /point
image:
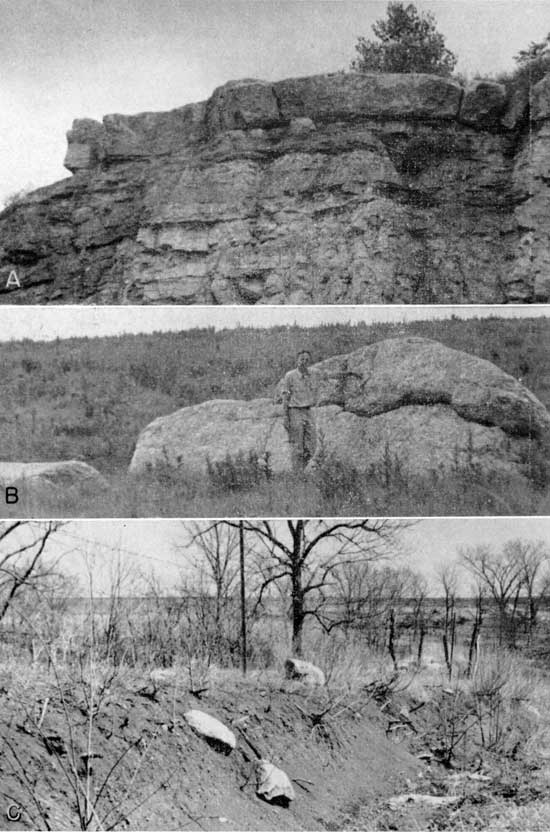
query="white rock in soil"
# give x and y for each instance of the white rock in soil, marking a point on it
(213, 731)
(272, 782)
(425, 799)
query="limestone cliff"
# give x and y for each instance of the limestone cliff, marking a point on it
(344, 188)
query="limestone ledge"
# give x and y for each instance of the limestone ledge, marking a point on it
(258, 105)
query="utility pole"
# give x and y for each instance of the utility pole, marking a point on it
(243, 596)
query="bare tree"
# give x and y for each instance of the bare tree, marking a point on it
(532, 558)
(22, 546)
(480, 596)
(369, 596)
(353, 591)
(218, 549)
(307, 554)
(418, 596)
(40, 615)
(448, 578)
(212, 552)
(502, 575)
(362, 593)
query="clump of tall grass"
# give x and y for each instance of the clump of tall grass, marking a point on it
(238, 471)
(337, 489)
(348, 662)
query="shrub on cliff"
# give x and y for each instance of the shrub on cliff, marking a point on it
(532, 64)
(408, 42)
(16, 198)
(535, 59)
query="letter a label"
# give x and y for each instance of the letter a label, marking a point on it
(13, 280)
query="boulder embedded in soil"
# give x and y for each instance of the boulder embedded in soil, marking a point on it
(47, 478)
(304, 672)
(212, 730)
(272, 784)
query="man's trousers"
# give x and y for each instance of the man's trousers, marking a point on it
(302, 436)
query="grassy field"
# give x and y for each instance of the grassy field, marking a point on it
(341, 492)
(89, 398)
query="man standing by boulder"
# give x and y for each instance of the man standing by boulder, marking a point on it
(299, 391)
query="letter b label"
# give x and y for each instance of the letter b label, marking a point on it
(11, 495)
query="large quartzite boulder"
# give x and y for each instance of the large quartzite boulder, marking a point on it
(432, 407)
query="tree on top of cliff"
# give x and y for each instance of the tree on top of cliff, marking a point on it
(532, 64)
(535, 52)
(408, 42)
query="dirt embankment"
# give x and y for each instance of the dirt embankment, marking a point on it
(59, 750)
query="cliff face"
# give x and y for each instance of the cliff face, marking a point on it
(343, 188)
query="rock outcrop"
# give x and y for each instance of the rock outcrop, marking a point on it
(343, 188)
(51, 478)
(431, 407)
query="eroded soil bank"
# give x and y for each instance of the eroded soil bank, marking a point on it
(109, 748)
(167, 777)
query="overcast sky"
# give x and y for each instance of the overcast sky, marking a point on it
(44, 323)
(149, 545)
(66, 59)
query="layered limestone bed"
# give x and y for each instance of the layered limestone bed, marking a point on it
(433, 408)
(343, 188)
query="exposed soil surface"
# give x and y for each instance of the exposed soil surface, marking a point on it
(353, 758)
(169, 777)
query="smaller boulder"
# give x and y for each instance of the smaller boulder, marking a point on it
(52, 478)
(163, 675)
(216, 734)
(304, 672)
(272, 784)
